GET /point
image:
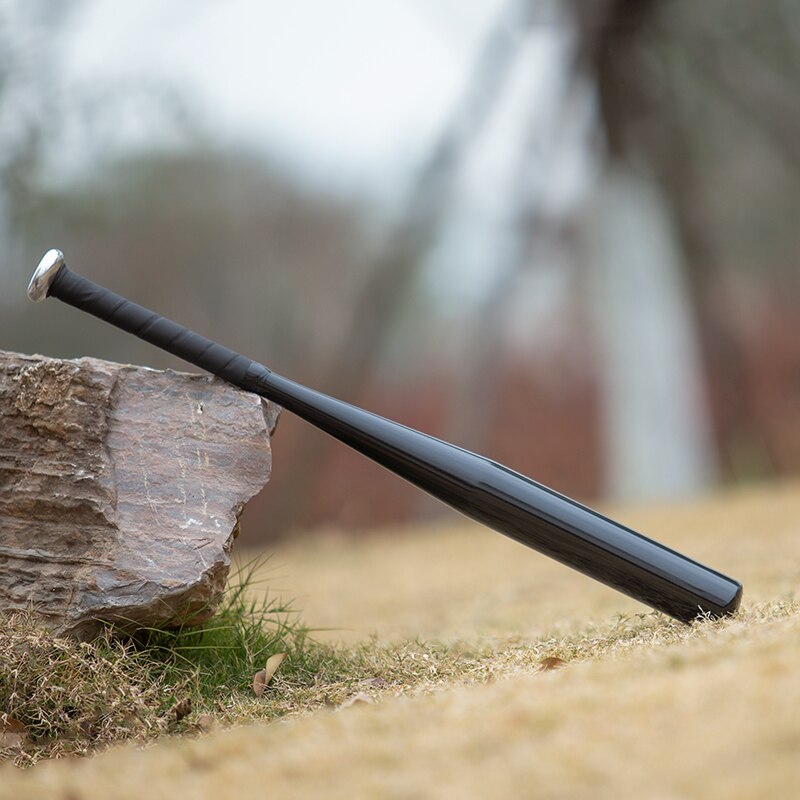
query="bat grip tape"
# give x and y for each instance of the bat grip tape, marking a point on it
(82, 293)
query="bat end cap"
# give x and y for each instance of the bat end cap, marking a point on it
(39, 287)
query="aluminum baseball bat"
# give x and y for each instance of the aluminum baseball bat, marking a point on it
(474, 485)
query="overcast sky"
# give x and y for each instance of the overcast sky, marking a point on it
(350, 88)
(351, 93)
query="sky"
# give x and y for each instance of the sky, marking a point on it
(351, 89)
(348, 95)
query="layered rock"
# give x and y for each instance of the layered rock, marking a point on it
(120, 489)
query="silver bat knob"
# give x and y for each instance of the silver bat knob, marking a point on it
(51, 263)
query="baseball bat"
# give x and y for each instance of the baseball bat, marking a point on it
(477, 487)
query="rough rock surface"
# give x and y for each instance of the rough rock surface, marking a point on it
(120, 489)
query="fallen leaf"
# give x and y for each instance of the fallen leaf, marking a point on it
(273, 662)
(13, 734)
(361, 697)
(264, 676)
(183, 709)
(551, 662)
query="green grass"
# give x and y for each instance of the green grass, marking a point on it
(219, 658)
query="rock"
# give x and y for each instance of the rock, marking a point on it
(120, 489)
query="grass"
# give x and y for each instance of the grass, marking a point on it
(216, 661)
(636, 664)
(74, 698)
(452, 633)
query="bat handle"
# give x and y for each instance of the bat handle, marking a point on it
(54, 279)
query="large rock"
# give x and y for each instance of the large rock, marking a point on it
(120, 489)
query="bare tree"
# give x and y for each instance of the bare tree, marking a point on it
(28, 100)
(658, 432)
(392, 274)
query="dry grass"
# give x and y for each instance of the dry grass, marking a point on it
(643, 706)
(71, 696)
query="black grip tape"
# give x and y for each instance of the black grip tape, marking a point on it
(88, 296)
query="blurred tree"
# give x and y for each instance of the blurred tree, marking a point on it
(238, 249)
(657, 421)
(653, 249)
(393, 271)
(526, 227)
(29, 102)
(664, 72)
(691, 115)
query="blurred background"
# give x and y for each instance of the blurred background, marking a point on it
(562, 234)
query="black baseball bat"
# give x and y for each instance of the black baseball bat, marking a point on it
(477, 487)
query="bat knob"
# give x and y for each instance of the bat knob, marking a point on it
(51, 263)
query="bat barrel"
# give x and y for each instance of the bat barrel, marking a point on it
(471, 484)
(516, 506)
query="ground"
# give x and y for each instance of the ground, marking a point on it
(641, 707)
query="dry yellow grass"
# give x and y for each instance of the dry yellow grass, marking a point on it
(463, 581)
(643, 708)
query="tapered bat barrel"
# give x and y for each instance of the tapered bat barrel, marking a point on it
(476, 486)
